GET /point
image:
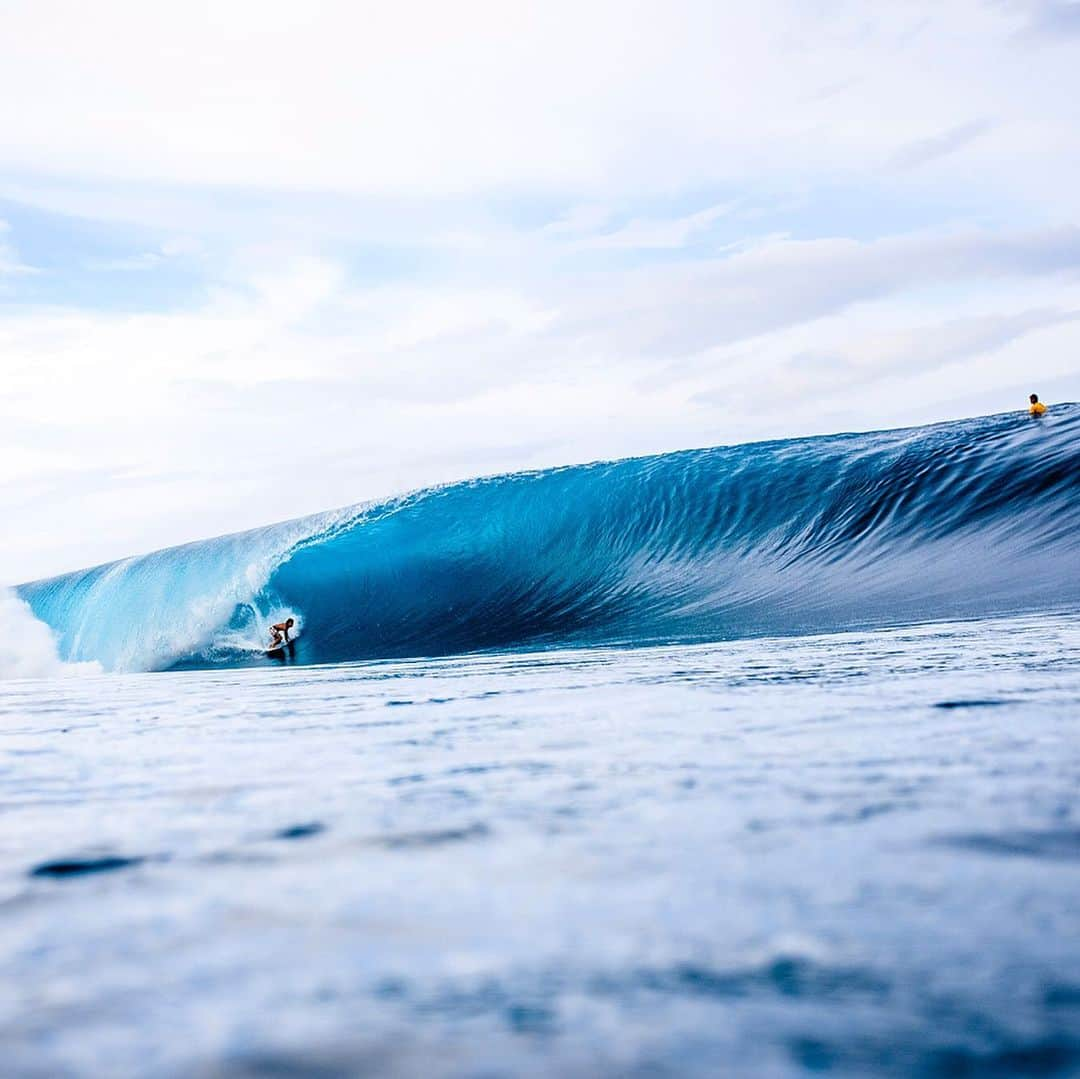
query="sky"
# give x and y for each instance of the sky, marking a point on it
(263, 259)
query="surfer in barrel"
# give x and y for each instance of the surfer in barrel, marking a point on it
(279, 632)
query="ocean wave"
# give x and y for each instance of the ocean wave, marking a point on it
(962, 519)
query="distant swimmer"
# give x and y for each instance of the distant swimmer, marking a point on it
(279, 632)
(1037, 407)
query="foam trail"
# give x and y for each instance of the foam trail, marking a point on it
(29, 645)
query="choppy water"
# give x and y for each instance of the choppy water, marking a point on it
(766, 857)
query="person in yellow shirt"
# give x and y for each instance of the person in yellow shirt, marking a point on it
(1037, 408)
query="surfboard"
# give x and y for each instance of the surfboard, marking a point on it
(279, 649)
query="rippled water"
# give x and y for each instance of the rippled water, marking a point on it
(858, 851)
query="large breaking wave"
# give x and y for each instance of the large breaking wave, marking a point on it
(962, 519)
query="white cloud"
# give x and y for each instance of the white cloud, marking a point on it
(589, 227)
(10, 263)
(147, 260)
(923, 151)
(913, 350)
(365, 97)
(697, 305)
(173, 248)
(1048, 19)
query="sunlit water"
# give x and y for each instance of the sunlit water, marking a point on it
(858, 852)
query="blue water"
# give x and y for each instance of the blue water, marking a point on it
(752, 761)
(973, 518)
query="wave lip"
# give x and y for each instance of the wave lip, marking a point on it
(970, 518)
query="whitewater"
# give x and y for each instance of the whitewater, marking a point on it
(754, 760)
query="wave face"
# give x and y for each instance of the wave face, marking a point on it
(963, 519)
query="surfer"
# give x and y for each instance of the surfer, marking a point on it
(280, 632)
(1037, 408)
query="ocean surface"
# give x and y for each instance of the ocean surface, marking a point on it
(857, 852)
(759, 760)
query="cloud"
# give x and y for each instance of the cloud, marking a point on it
(639, 233)
(579, 220)
(704, 304)
(147, 260)
(172, 248)
(919, 349)
(923, 151)
(10, 263)
(509, 96)
(1048, 19)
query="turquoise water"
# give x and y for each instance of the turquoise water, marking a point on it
(976, 518)
(851, 851)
